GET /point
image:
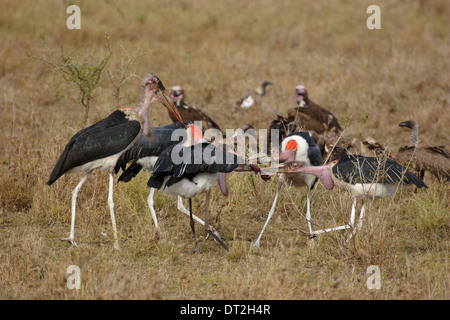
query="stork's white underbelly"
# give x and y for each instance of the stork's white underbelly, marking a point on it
(104, 163)
(370, 190)
(189, 188)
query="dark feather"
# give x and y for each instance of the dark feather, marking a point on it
(314, 117)
(193, 114)
(131, 172)
(144, 147)
(100, 140)
(195, 159)
(360, 169)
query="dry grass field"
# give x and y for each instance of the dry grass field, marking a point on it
(217, 50)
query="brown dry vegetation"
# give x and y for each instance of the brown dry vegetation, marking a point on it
(218, 50)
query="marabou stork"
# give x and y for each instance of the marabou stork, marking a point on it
(190, 169)
(364, 177)
(297, 146)
(101, 144)
(144, 153)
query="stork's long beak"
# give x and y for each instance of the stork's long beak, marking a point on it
(161, 95)
(164, 98)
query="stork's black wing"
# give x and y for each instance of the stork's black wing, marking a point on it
(360, 169)
(180, 162)
(160, 140)
(100, 140)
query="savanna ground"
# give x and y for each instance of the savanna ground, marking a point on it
(217, 50)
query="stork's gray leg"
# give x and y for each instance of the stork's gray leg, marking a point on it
(75, 191)
(353, 212)
(150, 203)
(210, 229)
(308, 217)
(196, 248)
(181, 206)
(271, 212)
(183, 209)
(358, 226)
(343, 227)
(111, 208)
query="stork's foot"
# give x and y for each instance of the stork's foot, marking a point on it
(312, 244)
(71, 240)
(211, 230)
(256, 244)
(216, 236)
(196, 249)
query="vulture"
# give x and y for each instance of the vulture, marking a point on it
(434, 159)
(312, 116)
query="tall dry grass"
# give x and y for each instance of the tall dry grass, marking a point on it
(217, 51)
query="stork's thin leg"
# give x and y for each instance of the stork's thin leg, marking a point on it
(207, 209)
(308, 217)
(210, 229)
(182, 208)
(75, 191)
(358, 226)
(206, 225)
(352, 213)
(271, 212)
(196, 248)
(346, 226)
(111, 208)
(150, 203)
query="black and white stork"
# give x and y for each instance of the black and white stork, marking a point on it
(297, 146)
(310, 116)
(364, 177)
(144, 153)
(190, 169)
(434, 159)
(101, 144)
(188, 112)
(253, 98)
